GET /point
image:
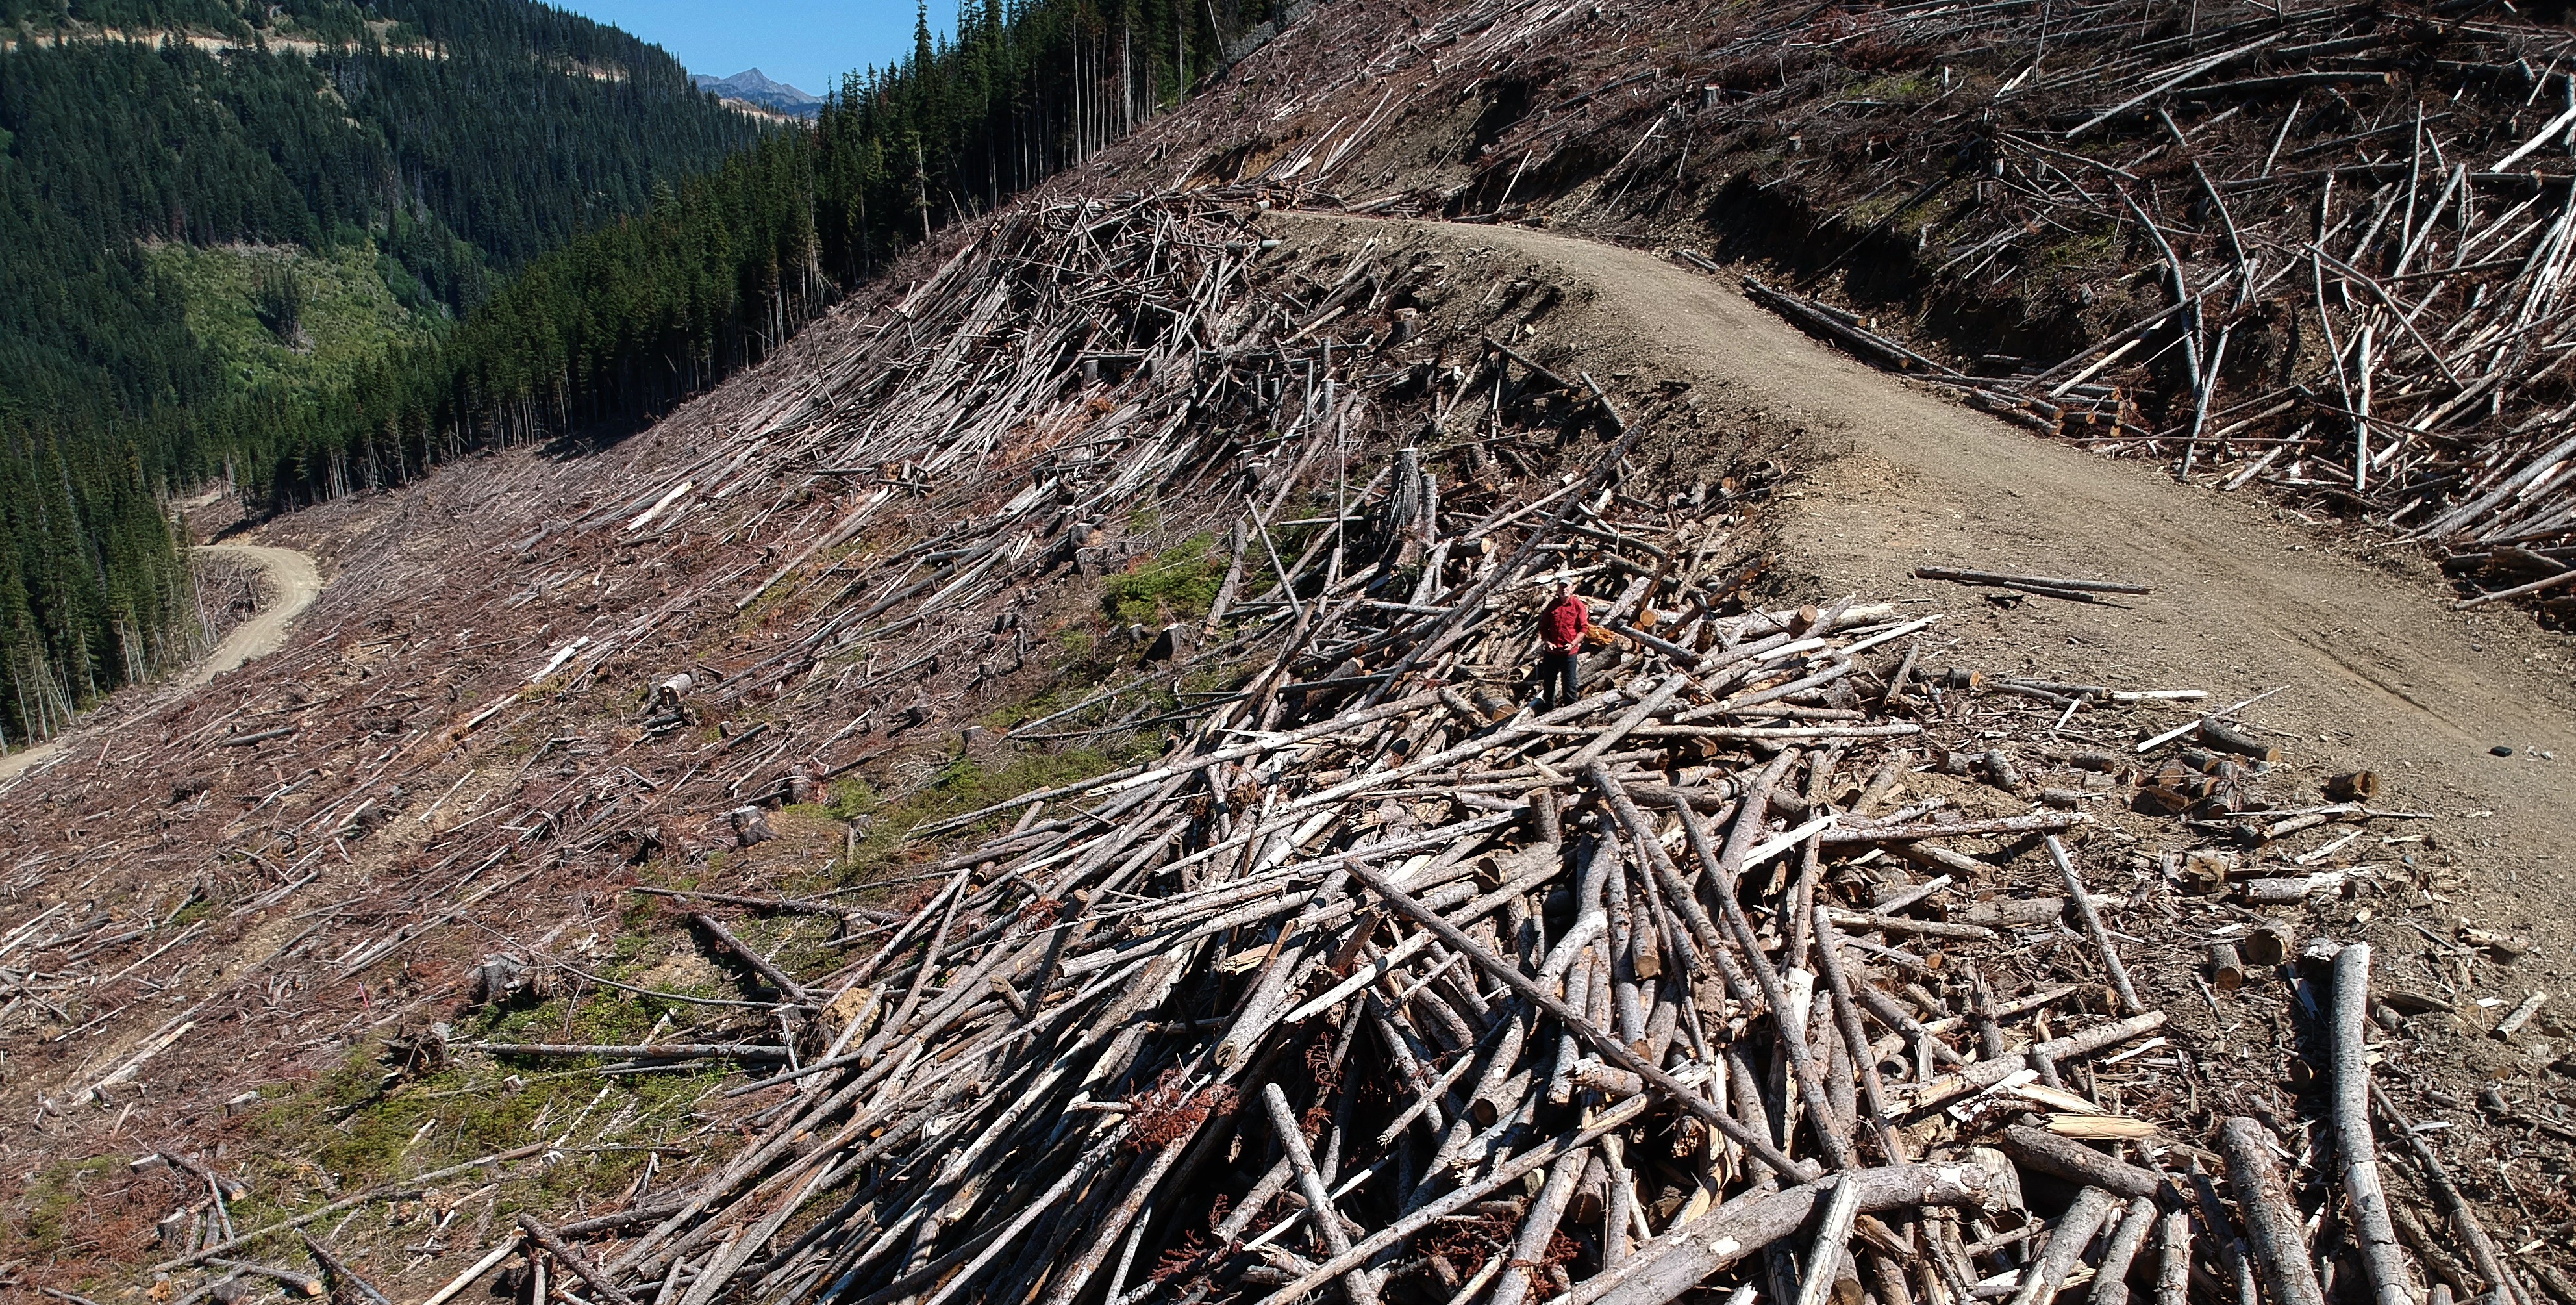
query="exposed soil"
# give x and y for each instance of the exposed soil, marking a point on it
(2381, 674)
(293, 584)
(290, 585)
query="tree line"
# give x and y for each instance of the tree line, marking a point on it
(629, 319)
(646, 305)
(462, 140)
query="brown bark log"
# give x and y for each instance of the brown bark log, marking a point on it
(2072, 1160)
(2272, 1222)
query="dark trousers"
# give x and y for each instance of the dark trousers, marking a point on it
(1559, 673)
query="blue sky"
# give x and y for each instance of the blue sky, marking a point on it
(806, 43)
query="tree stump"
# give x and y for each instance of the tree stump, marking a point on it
(750, 827)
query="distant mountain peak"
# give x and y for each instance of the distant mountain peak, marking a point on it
(755, 87)
(753, 79)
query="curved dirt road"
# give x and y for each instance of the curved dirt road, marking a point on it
(2381, 673)
(293, 584)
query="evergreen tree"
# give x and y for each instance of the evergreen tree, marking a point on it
(316, 126)
(545, 179)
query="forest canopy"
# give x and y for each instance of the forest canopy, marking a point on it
(585, 239)
(436, 147)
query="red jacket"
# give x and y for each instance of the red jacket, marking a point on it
(1561, 626)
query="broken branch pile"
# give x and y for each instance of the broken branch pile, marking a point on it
(1385, 985)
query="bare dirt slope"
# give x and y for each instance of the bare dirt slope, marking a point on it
(2381, 673)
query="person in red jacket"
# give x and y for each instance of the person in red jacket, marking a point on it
(1560, 636)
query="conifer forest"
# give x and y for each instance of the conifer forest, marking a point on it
(569, 238)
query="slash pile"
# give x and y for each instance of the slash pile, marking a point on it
(1384, 985)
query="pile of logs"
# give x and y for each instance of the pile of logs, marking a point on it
(1387, 984)
(1780, 963)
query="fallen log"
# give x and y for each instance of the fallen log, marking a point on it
(1675, 1262)
(2039, 581)
(2077, 1163)
(345, 1282)
(2272, 1222)
(634, 1051)
(565, 1255)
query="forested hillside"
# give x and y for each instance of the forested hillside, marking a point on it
(210, 212)
(466, 143)
(630, 318)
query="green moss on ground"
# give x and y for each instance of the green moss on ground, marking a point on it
(1180, 584)
(339, 1132)
(965, 784)
(58, 1189)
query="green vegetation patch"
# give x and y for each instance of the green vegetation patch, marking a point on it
(1180, 584)
(966, 784)
(1897, 88)
(279, 314)
(50, 1200)
(343, 1131)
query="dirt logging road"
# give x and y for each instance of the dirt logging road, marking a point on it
(2375, 670)
(292, 583)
